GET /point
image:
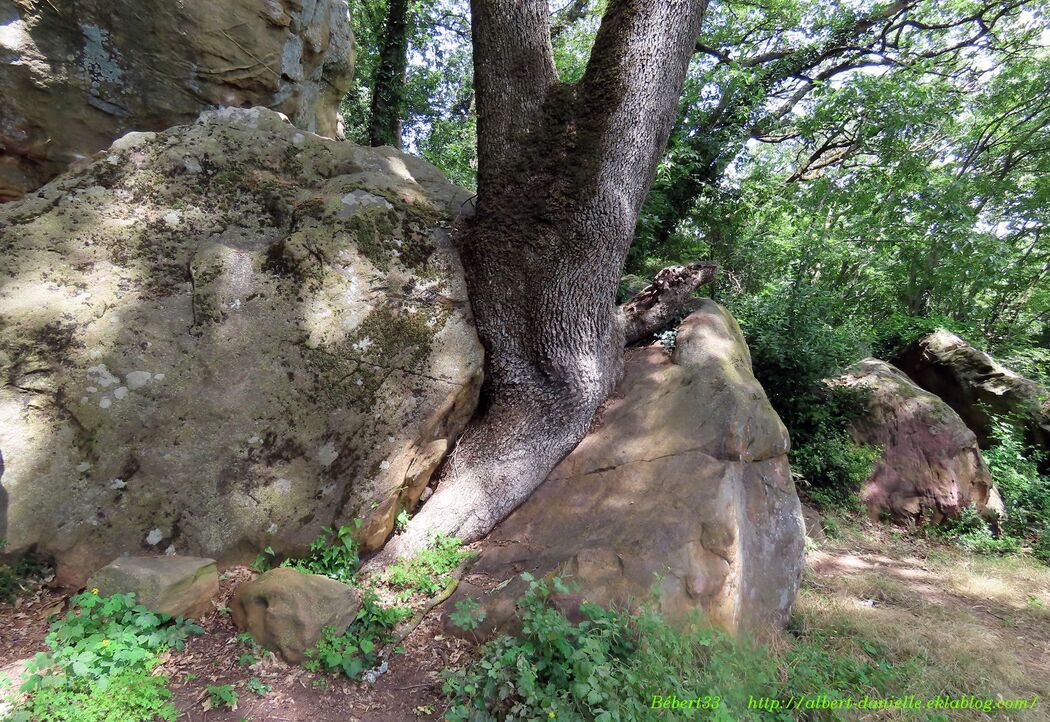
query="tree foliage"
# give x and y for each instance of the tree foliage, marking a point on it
(861, 171)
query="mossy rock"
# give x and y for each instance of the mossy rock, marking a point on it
(224, 337)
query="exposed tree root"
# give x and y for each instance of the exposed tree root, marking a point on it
(531, 425)
(411, 625)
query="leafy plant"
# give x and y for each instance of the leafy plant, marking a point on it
(468, 615)
(401, 522)
(833, 467)
(357, 649)
(100, 659)
(610, 666)
(105, 635)
(130, 695)
(1025, 492)
(222, 695)
(334, 554)
(264, 561)
(428, 571)
(258, 687)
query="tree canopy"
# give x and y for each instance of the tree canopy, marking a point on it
(886, 157)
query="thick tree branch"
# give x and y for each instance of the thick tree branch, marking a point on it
(657, 304)
(513, 72)
(630, 120)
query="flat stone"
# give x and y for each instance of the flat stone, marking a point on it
(176, 585)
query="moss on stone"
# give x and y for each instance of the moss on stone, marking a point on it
(351, 372)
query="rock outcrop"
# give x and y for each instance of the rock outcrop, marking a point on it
(175, 585)
(931, 467)
(75, 75)
(287, 611)
(977, 386)
(227, 336)
(682, 488)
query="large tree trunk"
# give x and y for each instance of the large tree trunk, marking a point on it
(563, 173)
(388, 90)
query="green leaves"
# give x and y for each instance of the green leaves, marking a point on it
(100, 659)
(428, 571)
(357, 649)
(334, 554)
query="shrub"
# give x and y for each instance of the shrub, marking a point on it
(613, 664)
(793, 351)
(1025, 492)
(833, 467)
(127, 696)
(99, 663)
(358, 648)
(334, 554)
(222, 695)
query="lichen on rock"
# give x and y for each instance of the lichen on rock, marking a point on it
(189, 314)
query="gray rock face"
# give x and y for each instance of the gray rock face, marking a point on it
(930, 468)
(179, 586)
(227, 336)
(287, 611)
(76, 74)
(978, 387)
(683, 486)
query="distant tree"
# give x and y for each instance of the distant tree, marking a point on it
(388, 88)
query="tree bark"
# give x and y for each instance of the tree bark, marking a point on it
(388, 90)
(658, 303)
(563, 172)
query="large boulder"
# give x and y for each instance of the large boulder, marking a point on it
(227, 336)
(176, 585)
(287, 611)
(930, 467)
(682, 488)
(77, 74)
(977, 386)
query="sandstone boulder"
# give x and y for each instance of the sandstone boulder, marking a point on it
(977, 386)
(930, 468)
(682, 487)
(225, 337)
(287, 611)
(179, 586)
(77, 74)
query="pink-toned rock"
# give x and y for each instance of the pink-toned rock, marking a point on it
(682, 489)
(930, 468)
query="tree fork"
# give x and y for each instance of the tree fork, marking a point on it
(563, 172)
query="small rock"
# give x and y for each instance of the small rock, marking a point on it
(286, 611)
(180, 586)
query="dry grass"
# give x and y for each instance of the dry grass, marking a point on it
(960, 624)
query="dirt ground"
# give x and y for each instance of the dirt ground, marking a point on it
(980, 625)
(410, 690)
